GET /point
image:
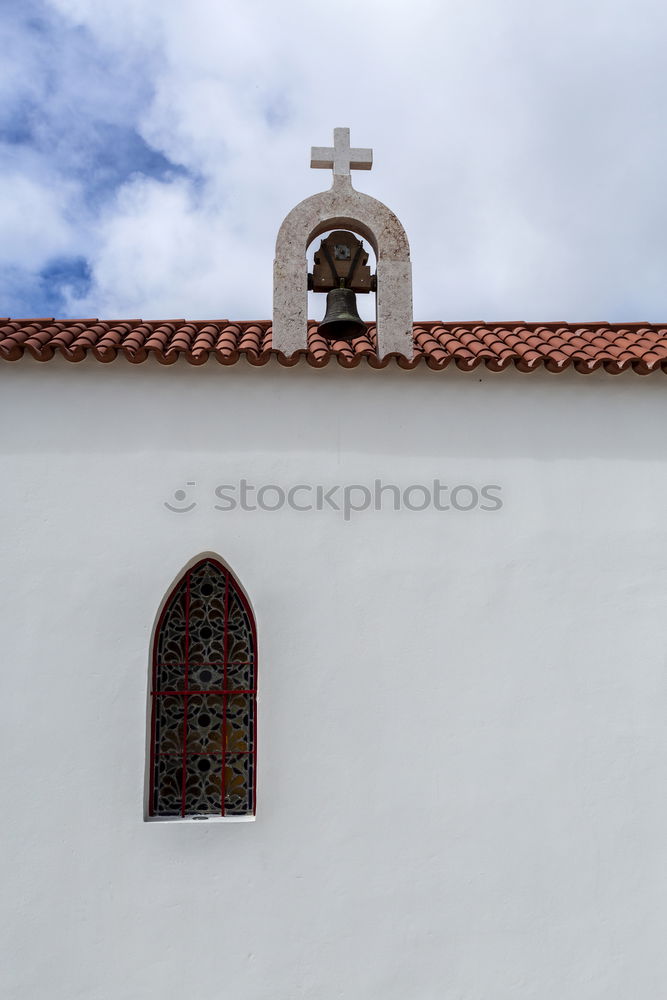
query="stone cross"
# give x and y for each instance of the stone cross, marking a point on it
(340, 157)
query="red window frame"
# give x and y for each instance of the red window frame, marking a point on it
(230, 583)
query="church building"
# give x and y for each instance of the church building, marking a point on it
(335, 653)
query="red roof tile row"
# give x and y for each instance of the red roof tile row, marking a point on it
(614, 347)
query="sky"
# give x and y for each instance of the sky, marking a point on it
(149, 150)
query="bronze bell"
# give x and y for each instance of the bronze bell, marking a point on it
(341, 321)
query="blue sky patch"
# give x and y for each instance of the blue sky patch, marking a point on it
(45, 293)
(115, 153)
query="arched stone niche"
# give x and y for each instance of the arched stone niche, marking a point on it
(342, 208)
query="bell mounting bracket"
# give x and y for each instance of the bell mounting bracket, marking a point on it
(341, 262)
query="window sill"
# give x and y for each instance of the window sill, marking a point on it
(199, 819)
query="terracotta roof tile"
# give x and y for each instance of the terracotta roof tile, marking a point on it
(556, 347)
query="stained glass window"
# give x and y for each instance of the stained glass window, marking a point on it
(203, 699)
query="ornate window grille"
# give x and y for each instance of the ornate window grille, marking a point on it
(204, 699)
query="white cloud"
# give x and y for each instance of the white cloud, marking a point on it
(161, 248)
(32, 223)
(521, 144)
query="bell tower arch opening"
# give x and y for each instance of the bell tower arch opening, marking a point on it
(344, 209)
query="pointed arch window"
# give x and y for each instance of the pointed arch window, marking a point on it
(204, 698)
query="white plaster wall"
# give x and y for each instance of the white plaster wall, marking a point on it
(463, 738)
